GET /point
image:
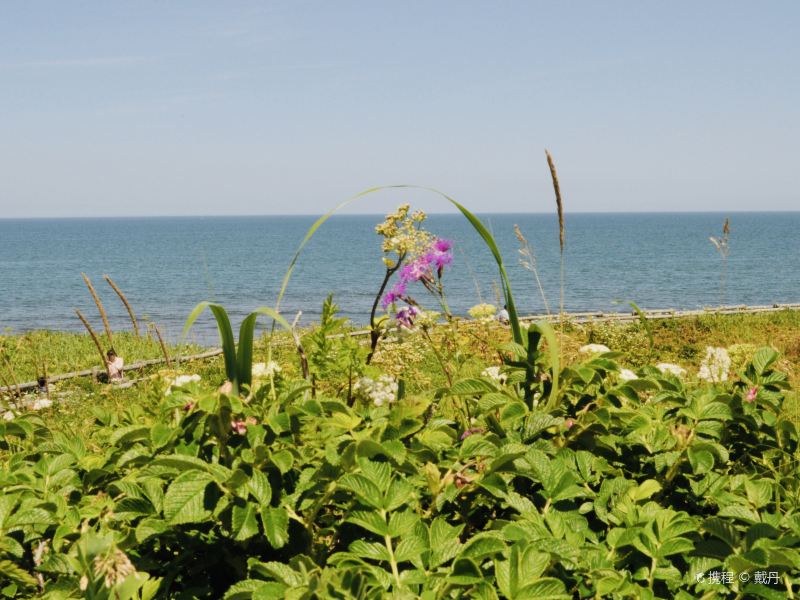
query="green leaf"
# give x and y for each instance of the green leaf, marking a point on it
(763, 359)
(184, 500)
(645, 490)
(225, 334)
(276, 526)
(547, 588)
(759, 492)
(244, 356)
(243, 521)
(16, 573)
(471, 387)
(260, 488)
(702, 461)
(371, 550)
(369, 520)
(366, 491)
(482, 545)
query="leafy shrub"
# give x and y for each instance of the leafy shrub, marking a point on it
(624, 489)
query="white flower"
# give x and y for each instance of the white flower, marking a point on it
(593, 349)
(715, 366)
(8, 416)
(182, 380)
(380, 392)
(672, 369)
(495, 374)
(627, 375)
(41, 403)
(266, 369)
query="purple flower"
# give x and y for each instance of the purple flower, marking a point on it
(395, 294)
(471, 431)
(239, 426)
(405, 316)
(442, 245)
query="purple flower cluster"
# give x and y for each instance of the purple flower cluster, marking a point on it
(405, 316)
(422, 268)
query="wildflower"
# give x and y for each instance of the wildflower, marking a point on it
(594, 349)
(182, 380)
(188, 406)
(671, 369)
(239, 427)
(569, 423)
(471, 431)
(266, 369)
(494, 374)
(226, 388)
(405, 316)
(715, 365)
(483, 312)
(41, 403)
(627, 375)
(379, 392)
(114, 567)
(8, 416)
(396, 293)
(751, 394)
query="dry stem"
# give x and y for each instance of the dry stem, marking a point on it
(95, 339)
(125, 302)
(100, 308)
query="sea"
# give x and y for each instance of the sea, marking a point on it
(165, 266)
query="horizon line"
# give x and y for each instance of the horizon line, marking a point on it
(383, 213)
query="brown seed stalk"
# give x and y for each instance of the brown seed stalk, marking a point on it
(100, 308)
(559, 203)
(95, 339)
(125, 302)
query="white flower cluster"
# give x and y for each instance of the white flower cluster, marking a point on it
(483, 312)
(381, 391)
(268, 369)
(715, 365)
(594, 349)
(495, 374)
(180, 381)
(671, 369)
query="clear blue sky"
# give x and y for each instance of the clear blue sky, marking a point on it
(150, 108)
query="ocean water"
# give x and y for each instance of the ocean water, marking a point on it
(166, 266)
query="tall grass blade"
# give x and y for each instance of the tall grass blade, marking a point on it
(244, 355)
(225, 335)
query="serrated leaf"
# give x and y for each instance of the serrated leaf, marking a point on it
(276, 526)
(369, 520)
(547, 588)
(243, 521)
(371, 550)
(184, 500)
(260, 488)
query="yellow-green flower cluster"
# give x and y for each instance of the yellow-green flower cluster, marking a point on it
(483, 312)
(402, 234)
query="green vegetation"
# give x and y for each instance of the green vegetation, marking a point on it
(436, 458)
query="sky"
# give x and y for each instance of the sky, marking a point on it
(205, 108)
